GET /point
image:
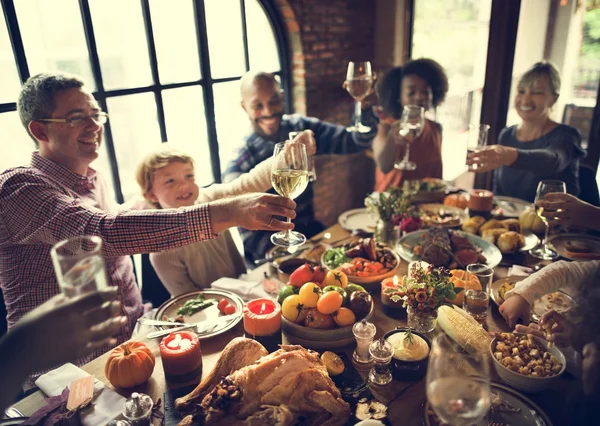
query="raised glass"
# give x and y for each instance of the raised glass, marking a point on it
(476, 139)
(545, 209)
(359, 80)
(289, 177)
(411, 127)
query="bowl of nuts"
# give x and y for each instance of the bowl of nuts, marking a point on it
(527, 362)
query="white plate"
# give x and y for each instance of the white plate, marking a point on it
(358, 220)
(560, 240)
(495, 289)
(509, 206)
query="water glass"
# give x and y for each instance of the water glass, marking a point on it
(79, 265)
(476, 139)
(476, 302)
(381, 352)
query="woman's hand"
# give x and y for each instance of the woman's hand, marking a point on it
(491, 157)
(513, 308)
(569, 210)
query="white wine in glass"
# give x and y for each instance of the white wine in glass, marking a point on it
(411, 127)
(545, 209)
(289, 177)
(458, 383)
(359, 80)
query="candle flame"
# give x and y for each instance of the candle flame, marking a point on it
(395, 280)
(263, 308)
(481, 194)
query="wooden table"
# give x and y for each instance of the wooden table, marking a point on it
(404, 399)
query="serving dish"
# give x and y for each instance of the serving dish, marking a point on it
(309, 251)
(169, 310)
(561, 244)
(405, 370)
(435, 214)
(358, 220)
(509, 206)
(558, 301)
(371, 279)
(526, 412)
(409, 241)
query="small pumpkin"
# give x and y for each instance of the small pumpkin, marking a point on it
(129, 364)
(463, 279)
(460, 200)
(530, 221)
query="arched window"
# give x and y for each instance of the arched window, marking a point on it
(163, 70)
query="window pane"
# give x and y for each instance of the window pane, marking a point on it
(177, 51)
(232, 122)
(463, 56)
(48, 49)
(134, 125)
(121, 41)
(224, 28)
(262, 45)
(9, 83)
(182, 108)
(21, 145)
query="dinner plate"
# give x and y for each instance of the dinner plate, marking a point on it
(559, 242)
(531, 241)
(509, 206)
(358, 220)
(459, 215)
(494, 290)
(409, 241)
(529, 413)
(169, 310)
(14, 421)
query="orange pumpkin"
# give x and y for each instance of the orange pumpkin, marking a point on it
(129, 364)
(457, 200)
(465, 280)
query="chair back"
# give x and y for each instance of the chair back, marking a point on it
(153, 289)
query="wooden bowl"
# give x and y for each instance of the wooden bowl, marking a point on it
(314, 338)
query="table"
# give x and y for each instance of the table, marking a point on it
(404, 399)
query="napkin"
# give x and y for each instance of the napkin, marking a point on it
(247, 290)
(518, 270)
(106, 405)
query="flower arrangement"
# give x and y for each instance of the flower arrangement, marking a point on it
(424, 289)
(393, 206)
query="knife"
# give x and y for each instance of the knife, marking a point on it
(203, 327)
(148, 321)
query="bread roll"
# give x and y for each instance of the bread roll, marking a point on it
(510, 242)
(512, 225)
(491, 224)
(473, 224)
(491, 235)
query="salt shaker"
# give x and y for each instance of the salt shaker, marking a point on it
(138, 409)
(312, 172)
(381, 353)
(364, 332)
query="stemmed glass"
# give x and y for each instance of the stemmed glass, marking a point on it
(545, 209)
(359, 80)
(289, 177)
(458, 383)
(411, 127)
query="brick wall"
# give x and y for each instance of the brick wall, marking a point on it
(323, 36)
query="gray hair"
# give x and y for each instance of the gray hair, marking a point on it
(36, 99)
(542, 69)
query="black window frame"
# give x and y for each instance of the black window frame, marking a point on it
(206, 81)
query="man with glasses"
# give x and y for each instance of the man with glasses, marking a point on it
(262, 100)
(60, 196)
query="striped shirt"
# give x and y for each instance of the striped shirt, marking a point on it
(45, 203)
(330, 138)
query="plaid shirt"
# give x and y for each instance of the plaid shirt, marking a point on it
(45, 203)
(331, 139)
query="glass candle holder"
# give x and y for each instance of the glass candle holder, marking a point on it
(381, 352)
(364, 332)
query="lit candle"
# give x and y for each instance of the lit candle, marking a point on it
(481, 200)
(262, 322)
(390, 307)
(181, 356)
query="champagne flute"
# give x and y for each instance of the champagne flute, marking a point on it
(359, 80)
(545, 209)
(458, 383)
(411, 127)
(289, 177)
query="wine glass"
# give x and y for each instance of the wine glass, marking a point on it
(289, 177)
(476, 140)
(458, 383)
(411, 127)
(359, 80)
(545, 209)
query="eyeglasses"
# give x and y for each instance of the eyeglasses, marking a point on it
(79, 120)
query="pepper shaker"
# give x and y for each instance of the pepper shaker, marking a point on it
(138, 409)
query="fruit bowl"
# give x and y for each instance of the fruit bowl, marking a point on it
(374, 279)
(315, 338)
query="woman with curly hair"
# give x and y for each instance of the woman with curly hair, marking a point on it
(421, 82)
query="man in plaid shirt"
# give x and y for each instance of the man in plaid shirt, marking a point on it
(59, 196)
(262, 99)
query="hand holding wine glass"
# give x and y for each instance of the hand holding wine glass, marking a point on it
(411, 127)
(359, 80)
(289, 177)
(545, 209)
(458, 383)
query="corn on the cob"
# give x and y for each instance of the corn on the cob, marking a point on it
(463, 329)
